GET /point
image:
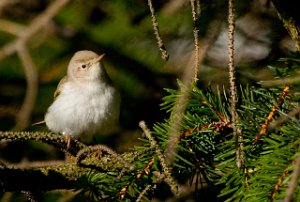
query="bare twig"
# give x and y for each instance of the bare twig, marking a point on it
(166, 169)
(274, 124)
(54, 139)
(293, 183)
(289, 20)
(195, 4)
(161, 46)
(34, 27)
(233, 91)
(23, 116)
(19, 46)
(282, 81)
(278, 184)
(11, 27)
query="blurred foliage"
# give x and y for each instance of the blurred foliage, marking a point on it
(123, 30)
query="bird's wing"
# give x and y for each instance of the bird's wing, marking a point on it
(59, 86)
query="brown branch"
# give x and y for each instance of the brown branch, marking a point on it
(138, 176)
(290, 18)
(166, 169)
(278, 184)
(34, 27)
(264, 127)
(274, 124)
(19, 46)
(195, 15)
(23, 116)
(237, 133)
(145, 170)
(54, 139)
(11, 27)
(83, 153)
(161, 46)
(293, 183)
(159, 179)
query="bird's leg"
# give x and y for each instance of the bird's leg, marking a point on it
(67, 139)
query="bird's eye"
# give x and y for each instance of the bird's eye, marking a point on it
(83, 66)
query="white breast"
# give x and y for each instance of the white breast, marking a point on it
(82, 110)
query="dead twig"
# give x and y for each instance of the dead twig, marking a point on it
(195, 4)
(166, 169)
(23, 116)
(293, 183)
(161, 46)
(237, 133)
(34, 27)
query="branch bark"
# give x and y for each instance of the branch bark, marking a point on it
(288, 13)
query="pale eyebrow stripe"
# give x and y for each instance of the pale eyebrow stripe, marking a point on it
(84, 60)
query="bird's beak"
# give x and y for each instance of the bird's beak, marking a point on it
(99, 58)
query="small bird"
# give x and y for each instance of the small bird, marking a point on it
(85, 101)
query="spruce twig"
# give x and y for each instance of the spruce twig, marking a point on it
(161, 46)
(264, 127)
(278, 184)
(159, 179)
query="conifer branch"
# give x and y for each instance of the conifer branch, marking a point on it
(166, 169)
(159, 179)
(145, 170)
(233, 91)
(161, 46)
(264, 127)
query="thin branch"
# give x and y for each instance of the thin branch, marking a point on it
(11, 27)
(233, 91)
(278, 184)
(54, 139)
(289, 20)
(274, 124)
(264, 127)
(35, 26)
(23, 116)
(161, 46)
(159, 179)
(99, 148)
(293, 183)
(166, 169)
(282, 81)
(195, 14)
